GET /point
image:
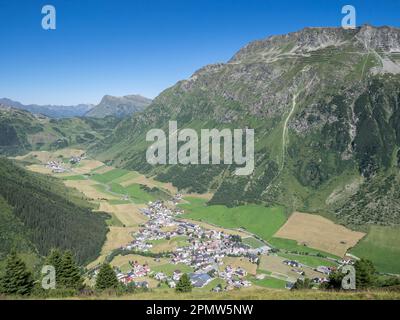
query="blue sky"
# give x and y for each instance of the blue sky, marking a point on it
(144, 46)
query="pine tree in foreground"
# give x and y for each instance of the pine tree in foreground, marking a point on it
(16, 279)
(106, 278)
(184, 284)
(55, 259)
(69, 275)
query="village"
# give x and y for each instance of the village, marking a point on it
(59, 167)
(204, 251)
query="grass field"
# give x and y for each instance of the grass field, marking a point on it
(310, 261)
(137, 192)
(382, 247)
(123, 260)
(168, 245)
(274, 265)
(109, 175)
(128, 214)
(269, 282)
(319, 233)
(253, 242)
(77, 177)
(259, 220)
(293, 246)
(241, 262)
(169, 268)
(89, 189)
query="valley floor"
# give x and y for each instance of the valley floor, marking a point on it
(310, 249)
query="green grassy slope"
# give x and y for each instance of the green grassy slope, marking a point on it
(382, 246)
(259, 220)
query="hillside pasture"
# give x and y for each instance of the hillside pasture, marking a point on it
(241, 262)
(319, 233)
(109, 175)
(120, 260)
(89, 189)
(382, 247)
(128, 214)
(274, 264)
(259, 220)
(118, 237)
(86, 166)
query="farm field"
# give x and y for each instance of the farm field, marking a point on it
(253, 242)
(138, 192)
(169, 245)
(90, 189)
(259, 220)
(381, 246)
(274, 265)
(269, 282)
(308, 260)
(128, 214)
(241, 262)
(109, 175)
(124, 260)
(291, 246)
(208, 226)
(169, 268)
(320, 233)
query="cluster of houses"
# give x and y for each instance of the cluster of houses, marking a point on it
(138, 270)
(204, 249)
(56, 167)
(76, 159)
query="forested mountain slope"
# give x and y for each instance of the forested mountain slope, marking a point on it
(37, 213)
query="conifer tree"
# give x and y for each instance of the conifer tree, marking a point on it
(16, 279)
(106, 278)
(55, 259)
(184, 284)
(69, 275)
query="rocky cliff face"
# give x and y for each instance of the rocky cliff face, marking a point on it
(119, 106)
(343, 126)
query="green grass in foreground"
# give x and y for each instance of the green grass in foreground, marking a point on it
(382, 247)
(259, 220)
(251, 293)
(269, 282)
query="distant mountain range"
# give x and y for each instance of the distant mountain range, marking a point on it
(52, 111)
(22, 131)
(119, 106)
(109, 106)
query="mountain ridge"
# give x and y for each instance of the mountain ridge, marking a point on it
(52, 111)
(119, 106)
(342, 127)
